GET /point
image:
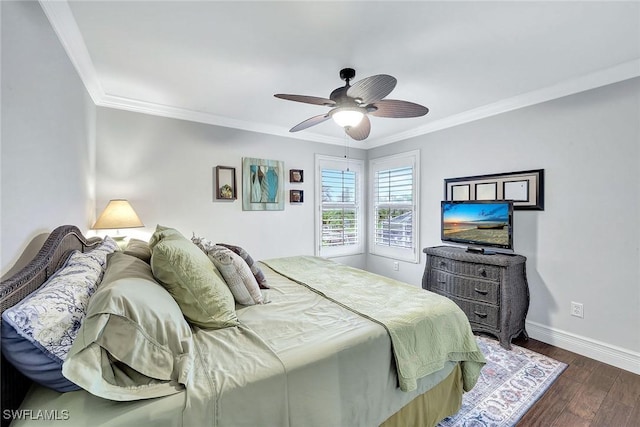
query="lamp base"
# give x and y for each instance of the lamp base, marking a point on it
(120, 240)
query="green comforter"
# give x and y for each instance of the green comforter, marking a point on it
(426, 329)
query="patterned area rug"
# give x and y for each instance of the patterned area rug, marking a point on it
(509, 384)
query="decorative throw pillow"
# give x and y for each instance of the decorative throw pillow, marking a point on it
(193, 281)
(206, 245)
(255, 269)
(38, 332)
(139, 249)
(237, 274)
(134, 342)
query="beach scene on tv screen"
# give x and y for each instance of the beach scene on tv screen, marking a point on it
(483, 222)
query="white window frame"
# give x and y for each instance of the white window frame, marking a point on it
(339, 163)
(408, 159)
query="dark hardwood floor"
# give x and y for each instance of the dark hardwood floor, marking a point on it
(587, 393)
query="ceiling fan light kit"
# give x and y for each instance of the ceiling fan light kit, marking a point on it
(347, 117)
(351, 104)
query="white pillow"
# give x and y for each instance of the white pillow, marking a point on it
(237, 274)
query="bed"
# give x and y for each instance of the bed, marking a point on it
(327, 345)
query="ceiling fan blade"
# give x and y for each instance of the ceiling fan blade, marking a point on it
(306, 99)
(398, 109)
(361, 131)
(310, 122)
(372, 89)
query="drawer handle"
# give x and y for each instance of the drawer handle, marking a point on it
(443, 264)
(483, 315)
(481, 291)
(483, 272)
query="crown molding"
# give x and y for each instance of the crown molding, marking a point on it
(61, 18)
(139, 106)
(64, 25)
(621, 72)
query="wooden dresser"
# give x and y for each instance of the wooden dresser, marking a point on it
(492, 290)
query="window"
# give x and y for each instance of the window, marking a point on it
(339, 223)
(394, 198)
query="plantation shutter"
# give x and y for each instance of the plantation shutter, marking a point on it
(339, 208)
(394, 182)
(339, 220)
(393, 192)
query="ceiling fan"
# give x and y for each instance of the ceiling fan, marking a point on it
(351, 104)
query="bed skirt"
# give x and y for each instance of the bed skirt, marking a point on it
(443, 400)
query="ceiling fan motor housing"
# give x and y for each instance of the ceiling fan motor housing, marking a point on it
(341, 98)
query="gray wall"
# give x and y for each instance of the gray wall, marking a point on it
(48, 127)
(584, 246)
(165, 167)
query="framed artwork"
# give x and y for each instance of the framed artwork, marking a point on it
(460, 192)
(487, 191)
(262, 184)
(525, 188)
(518, 191)
(225, 183)
(296, 175)
(296, 196)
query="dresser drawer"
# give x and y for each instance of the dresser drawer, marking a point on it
(489, 272)
(465, 287)
(478, 313)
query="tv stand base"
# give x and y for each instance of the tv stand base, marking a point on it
(480, 251)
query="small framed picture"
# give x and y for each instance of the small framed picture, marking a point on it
(487, 191)
(460, 192)
(518, 191)
(296, 196)
(225, 183)
(296, 175)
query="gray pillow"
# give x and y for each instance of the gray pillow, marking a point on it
(139, 249)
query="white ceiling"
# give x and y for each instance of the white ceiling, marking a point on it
(220, 62)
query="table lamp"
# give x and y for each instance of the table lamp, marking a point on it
(118, 214)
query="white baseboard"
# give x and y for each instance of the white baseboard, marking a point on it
(612, 355)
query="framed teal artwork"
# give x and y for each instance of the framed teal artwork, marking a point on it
(262, 184)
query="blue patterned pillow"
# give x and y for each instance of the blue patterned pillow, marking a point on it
(38, 332)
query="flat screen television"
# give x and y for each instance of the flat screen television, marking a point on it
(478, 223)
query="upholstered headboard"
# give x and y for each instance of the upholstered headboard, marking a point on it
(56, 249)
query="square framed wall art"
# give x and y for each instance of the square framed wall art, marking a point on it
(296, 196)
(262, 184)
(296, 176)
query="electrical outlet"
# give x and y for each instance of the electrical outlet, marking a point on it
(577, 309)
(396, 266)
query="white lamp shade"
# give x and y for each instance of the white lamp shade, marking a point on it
(347, 117)
(117, 214)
